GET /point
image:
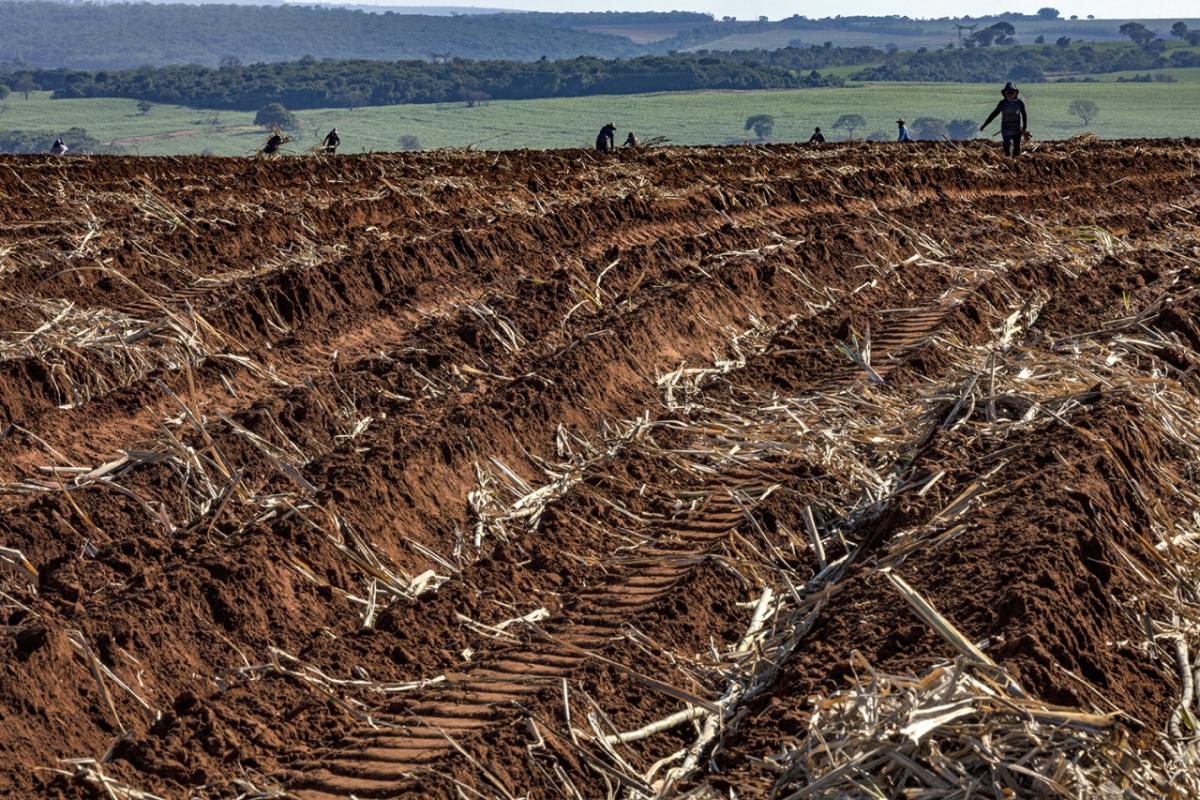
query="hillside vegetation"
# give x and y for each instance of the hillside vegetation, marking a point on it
(311, 83)
(124, 35)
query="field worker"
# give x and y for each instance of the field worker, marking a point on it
(1014, 122)
(59, 148)
(605, 141)
(332, 140)
(817, 137)
(631, 140)
(904, 137)
(273, 144)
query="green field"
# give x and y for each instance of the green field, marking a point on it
(1126, 110)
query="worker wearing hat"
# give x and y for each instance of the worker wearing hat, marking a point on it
(1014, 122)
(606, 141)
(904, 137)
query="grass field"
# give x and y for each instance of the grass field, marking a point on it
(1126, 110)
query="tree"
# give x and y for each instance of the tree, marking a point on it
(850, 123)
(409, 142)
(1048, 13)
(880, 136)
(273, 114)
(144, 107)
(24, 85)
(1156, 47)
(962, 129)
(1063, 41)
(1179, 30)
(4, 92)
(1138, 33)
(1086, 110)
(1040, 39)
(1000, 33)
(762, 125)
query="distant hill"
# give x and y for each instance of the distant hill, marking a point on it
(902, 32)
(379, 8)
(117, 36)
(640, 27)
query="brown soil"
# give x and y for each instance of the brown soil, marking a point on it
(319, 358)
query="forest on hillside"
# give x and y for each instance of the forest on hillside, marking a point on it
(313, 83)
(125, 35)
(310, 83)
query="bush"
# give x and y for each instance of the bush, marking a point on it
(962, 129)
(930, 129)
(409, 142)
(762, 125)
(275, 115)
(1023, 73)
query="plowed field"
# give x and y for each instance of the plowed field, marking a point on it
(718, 472)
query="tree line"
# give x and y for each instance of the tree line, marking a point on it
(310, 83)
(1028, 63)
(313, 83)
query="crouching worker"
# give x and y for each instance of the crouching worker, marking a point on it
(605, 140)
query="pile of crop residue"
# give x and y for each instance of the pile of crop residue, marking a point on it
(754, 472)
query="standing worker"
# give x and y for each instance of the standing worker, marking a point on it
(904, 137)
(817, 137)
(332, 140)
(605, 141)
(59, 148)
(1014, 122)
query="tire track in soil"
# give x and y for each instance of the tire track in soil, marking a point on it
(374, 762)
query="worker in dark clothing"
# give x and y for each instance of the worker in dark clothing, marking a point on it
(605, 141)
(817, 137)
(59, 148)
(273, 144)
(1014, 122)
(631, 140)
(332, 140)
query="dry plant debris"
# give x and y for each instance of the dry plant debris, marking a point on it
(716, 472)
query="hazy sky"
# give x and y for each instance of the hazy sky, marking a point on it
(775, 9)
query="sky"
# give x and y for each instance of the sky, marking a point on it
(777, 9)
